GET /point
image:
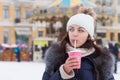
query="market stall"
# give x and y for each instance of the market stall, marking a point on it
(10, 52)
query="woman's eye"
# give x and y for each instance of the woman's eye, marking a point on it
(71, 29)
(80, 30)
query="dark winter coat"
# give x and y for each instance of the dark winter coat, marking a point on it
(92, 67)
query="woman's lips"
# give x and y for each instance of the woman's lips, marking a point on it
(73, 41)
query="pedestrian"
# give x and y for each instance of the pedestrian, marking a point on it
(95, 63)
(18, 54)
(113, 47)
(44, 48)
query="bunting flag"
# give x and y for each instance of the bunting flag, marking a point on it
(87, 3)
(71, 3)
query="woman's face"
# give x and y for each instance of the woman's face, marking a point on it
(77, 33)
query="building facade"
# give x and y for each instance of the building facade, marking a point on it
(21, 21)
(15, 27)
(108, 19)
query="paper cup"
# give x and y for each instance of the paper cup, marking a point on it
(77, 54)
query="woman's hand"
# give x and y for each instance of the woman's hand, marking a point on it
(70, 64)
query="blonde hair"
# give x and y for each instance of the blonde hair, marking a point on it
(87, 10)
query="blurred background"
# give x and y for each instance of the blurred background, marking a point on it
(33, 25)
(29, 27)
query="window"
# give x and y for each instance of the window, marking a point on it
(109, 2)
(111, 36)
(119, 18)
(97, 10)
(28, 13)
(43, 11)
(52, 9)
(17, 12)
(40, 33)
(6, 36)
(6, 12)
(103, 2)
(64, 9)
(22, 39)
(103, 35)
(97, 2)
(34, 11)
(118, 36)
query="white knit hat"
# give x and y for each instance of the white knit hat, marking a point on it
(83, 20)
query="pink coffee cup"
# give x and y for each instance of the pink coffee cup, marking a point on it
(77, 54)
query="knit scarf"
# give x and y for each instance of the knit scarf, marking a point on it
(84, 51)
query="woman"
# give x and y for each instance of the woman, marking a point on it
(96, 63)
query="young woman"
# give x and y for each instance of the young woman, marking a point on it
(96, 63)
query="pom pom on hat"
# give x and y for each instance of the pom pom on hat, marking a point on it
(83, 20)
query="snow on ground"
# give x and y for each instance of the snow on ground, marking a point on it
(21, 70)
(117, 76)
(28, 71)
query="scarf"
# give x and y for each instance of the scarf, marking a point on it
(84, 51)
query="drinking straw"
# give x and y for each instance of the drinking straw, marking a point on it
(75, 44)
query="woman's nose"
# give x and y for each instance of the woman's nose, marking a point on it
(75, 33)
